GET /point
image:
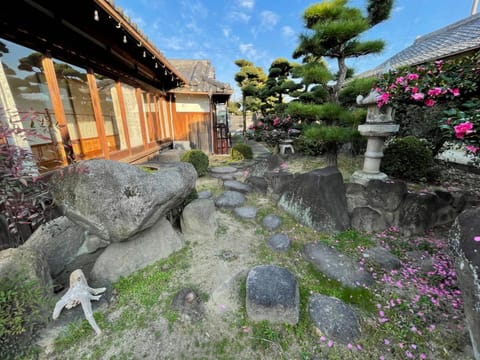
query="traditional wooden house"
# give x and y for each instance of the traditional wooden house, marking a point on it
(201, 106)
(92, 83)
(457, 39)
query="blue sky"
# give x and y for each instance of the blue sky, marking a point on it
(263, 30)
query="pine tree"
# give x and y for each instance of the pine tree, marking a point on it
(333, 31)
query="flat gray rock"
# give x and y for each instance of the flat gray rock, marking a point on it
(336, 265)
(334, 318)
(206, 194)
(382, 257)
(230, 199)
(222, 170)
(237, 186)
(271, 222)
(246, 212)
(279, 242)
(272, 295)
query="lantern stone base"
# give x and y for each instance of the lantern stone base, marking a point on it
(361, 177)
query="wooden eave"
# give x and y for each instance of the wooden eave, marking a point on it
(89, 34)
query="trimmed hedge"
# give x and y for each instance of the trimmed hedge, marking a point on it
(241, 151)
(198, 159)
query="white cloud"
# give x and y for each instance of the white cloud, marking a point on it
(249, 4)
(226, 31)
(268, 19)
(397, 9)
(177, 43)
(239, 16)
(287, 31)
(135, 18)
(248, 50)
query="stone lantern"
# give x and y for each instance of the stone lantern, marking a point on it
(378, 126)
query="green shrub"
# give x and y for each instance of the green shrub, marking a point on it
(198, 159)
(319, 139)
(408, 158)
(21, 302)
(241, 151)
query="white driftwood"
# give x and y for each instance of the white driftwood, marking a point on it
(79, 293)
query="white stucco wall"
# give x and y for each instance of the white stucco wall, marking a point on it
(192, 103)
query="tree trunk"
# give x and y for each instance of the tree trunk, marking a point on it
(244, 114)
(331, 154)
(342, 74)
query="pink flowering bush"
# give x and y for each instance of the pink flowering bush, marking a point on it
(463, 124)
(272, 129)
(451, 85)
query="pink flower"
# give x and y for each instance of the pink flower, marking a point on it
(476, 238)
(276, 121)
(435, 91)
(429, 102)
(418, 96)
(399, 80)
(250, 126)
(472, 149)
(349, 346)
(383, 99)
(386, 342)
(423, 356)
(412, 76)
(463, 129)
(330, 343)
(455, 92)
(414, 89)
(409, 354)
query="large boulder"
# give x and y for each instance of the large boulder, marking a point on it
(386, 195)
(124, 258)
(336, 265)
(66, 246)
(418, 213)
(317, 199)
(368, 220)
(272, 162)
(116, 200)
(25, 263)
(334, 318)
(199, 220)
(272, 295)
(464, 241)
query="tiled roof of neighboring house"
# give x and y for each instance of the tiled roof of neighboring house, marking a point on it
(201, 77)
(457, 38)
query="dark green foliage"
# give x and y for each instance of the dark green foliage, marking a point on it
(408, 158)
(198, 159)
(304, 112)
(241, 151)
(319, 139)
(360, 86)
(21, 302)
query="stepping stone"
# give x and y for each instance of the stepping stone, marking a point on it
(272, 295)
(230, 199)
(336, 265)
(237, 186)
(222, 170)
(279, 242)
(246, 212)
(334, 318)
(271, 222)
(382, 258)
(206, 194)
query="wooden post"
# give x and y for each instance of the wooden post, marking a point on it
(123, 113)
(97, 110)
(66, 149)
(141, 115)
